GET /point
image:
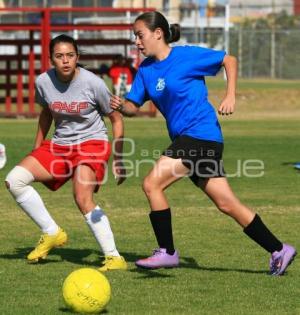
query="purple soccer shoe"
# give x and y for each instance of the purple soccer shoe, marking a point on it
(279, 261)
(159, 259)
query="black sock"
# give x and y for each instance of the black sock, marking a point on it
(262, 235)
(162, 226)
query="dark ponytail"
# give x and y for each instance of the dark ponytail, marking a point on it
(174, 33)
(155, 19)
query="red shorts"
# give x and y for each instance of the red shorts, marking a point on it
(61, 161)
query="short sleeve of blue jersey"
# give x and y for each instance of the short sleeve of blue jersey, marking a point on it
(138, 94)
(207, 62)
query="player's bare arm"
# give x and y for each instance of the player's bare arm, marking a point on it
(125, 107)
(118, 135)
(228, 103)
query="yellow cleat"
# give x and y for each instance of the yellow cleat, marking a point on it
(45, 244)
(113, 263)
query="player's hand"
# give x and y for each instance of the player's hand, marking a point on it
(119, 171)
(116, 103)
(227, 106)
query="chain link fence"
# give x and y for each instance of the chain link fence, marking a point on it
(261, 53)
(267, 53)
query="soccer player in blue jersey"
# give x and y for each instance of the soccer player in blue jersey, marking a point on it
(173, 79)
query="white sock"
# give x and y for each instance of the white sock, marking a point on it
(31, 202)
(100, 227)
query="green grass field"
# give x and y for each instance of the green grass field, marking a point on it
(222, 271)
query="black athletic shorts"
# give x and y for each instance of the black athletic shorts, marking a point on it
(202, 158)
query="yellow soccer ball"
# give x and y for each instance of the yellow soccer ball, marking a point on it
(86, 290)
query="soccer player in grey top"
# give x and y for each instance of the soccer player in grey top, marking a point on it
(76, 100)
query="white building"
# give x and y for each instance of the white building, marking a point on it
(260, 8)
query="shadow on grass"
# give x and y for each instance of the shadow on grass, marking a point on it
(74, 255)
(80, 257)
(77, 256)
(190, 263)
(68, 311)
(150, 274)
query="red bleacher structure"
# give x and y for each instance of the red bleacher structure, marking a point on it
(18, 71)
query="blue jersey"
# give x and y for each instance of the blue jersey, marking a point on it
(176, 86)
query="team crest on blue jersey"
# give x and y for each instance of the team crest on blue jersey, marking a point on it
(160, 84)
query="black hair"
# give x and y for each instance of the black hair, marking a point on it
(155, 19)
(62, 39)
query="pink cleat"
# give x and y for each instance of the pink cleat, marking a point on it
(159, 259)
(279, 261)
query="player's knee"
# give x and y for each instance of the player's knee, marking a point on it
(147, 186)
(17, 180)
(225, 206)
(150, 185)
